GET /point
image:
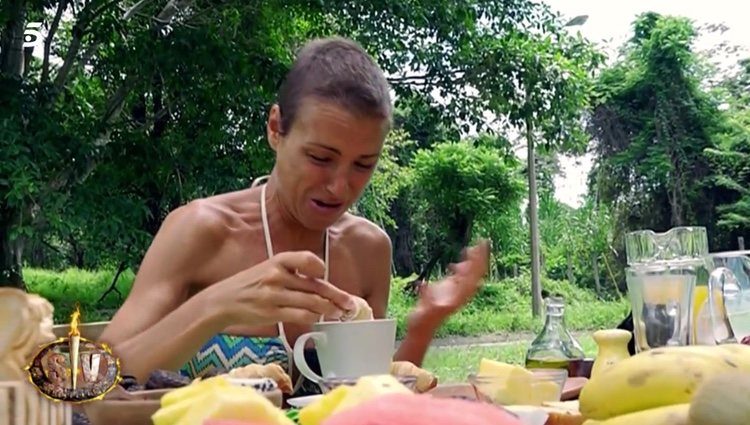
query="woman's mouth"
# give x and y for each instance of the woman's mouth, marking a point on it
(329, 206)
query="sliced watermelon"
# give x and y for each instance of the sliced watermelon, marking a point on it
(423, 409)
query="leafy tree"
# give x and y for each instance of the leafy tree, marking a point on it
(388, 181)
(456, 185)
(730, 160)
(652, 121)
(553, 89)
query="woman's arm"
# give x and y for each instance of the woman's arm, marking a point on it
(421, 327)
(157, 327)
(420, 332)
(437, 301)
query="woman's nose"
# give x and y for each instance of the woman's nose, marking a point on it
(338, 185)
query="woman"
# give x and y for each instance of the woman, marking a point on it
(235, 278)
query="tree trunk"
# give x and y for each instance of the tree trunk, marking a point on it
(571, 277)
(595, 268)
(11, 39)
(402, 236)
(10, 251)
(536, 284)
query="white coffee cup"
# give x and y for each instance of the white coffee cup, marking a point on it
(348, 349)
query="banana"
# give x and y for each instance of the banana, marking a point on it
(740, 354)
(650, 379)
(722, 400)
(676, 414)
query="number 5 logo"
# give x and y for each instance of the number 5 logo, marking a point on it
(32, 37)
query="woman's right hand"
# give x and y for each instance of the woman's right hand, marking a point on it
(288, 287)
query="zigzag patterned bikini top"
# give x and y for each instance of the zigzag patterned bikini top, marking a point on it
(224, 351)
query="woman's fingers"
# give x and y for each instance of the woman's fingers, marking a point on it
(302, 262)
(341, 299)
(311, 302)
(297, 315)
(476, 262)
(304, 272)
(315, 295)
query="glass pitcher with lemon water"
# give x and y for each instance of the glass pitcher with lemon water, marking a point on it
(667, 277)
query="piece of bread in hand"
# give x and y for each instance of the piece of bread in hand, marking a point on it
(361, 311)
(425, 380)
(272, 371)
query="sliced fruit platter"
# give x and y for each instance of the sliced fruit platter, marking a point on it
(694, 385)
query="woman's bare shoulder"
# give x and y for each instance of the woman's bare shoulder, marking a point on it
(361, 234)
(211, 218)
(199, 217)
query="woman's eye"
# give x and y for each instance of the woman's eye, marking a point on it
(319, 158)
(365, 166)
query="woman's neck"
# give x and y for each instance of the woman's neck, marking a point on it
(287, 233)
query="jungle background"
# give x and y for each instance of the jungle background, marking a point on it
(127, 110)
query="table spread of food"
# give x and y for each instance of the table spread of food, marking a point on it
(686, 385)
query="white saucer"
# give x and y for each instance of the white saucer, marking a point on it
(300, 402)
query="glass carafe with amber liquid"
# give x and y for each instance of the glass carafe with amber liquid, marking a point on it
(555, 347)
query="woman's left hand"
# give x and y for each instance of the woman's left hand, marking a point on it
(439, 300)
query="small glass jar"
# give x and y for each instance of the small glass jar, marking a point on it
(554, 347)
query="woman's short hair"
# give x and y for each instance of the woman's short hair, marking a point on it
(339, 71)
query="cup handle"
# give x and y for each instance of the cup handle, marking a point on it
(718, 278)
(299, 355)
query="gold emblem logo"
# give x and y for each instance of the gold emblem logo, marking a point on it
(74, 369)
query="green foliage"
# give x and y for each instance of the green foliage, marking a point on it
(730, 160)
(387, 181)
(583, 234)
(652, 121)
(138, 113)
(455, 186)
(459, 179)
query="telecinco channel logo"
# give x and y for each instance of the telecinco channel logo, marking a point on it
(32, 35)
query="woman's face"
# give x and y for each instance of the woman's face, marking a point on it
(325, 160)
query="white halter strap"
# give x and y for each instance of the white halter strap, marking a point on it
(267, 229)
(269, 252)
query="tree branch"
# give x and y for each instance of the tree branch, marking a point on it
(134, 9)
(88, 15)
(114, 106)
(51, 35)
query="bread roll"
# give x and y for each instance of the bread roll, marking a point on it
(361, 311)
(271, 370)
(425, 380)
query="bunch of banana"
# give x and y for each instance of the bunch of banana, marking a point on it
(656, 387)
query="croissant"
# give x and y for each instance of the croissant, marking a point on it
(425, 380)
(271, 370)
(361, 311)
(25, 323)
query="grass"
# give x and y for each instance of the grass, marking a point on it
(499, 307)
(454, 364)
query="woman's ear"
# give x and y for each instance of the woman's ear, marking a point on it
(273, 127)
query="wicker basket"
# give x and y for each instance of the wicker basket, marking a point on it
(21, 404)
